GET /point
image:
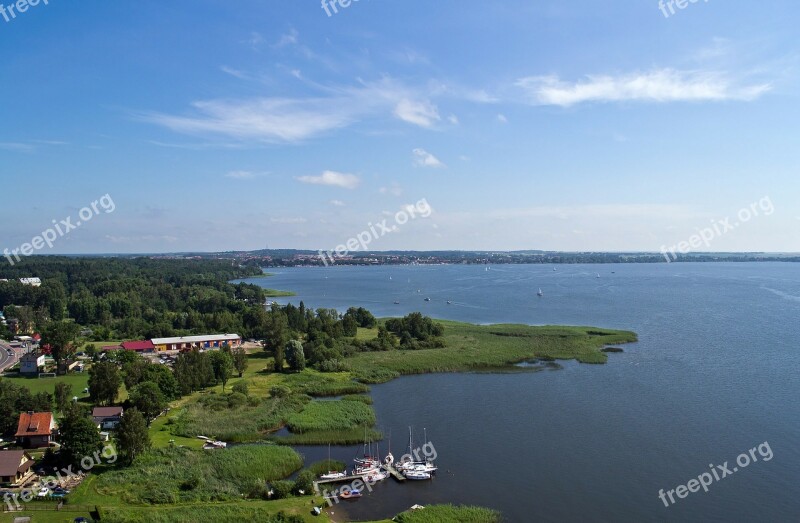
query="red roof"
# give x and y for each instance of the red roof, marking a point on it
(139, 345)
(34, 424)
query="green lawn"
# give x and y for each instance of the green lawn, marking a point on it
(78, 380)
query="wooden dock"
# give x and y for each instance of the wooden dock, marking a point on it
(394, 472)
(345, 479)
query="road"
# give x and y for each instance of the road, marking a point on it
(6, 359)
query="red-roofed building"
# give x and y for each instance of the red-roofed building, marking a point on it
(139, 346)
(35, 429)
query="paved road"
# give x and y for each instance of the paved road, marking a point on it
(6, 359)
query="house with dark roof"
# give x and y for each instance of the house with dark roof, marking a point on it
(107, 418)
(35, 429)
(16, 467)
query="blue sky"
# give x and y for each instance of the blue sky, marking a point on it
(580, 125)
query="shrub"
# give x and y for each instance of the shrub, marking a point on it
(279, 391)
(304, 482)
(282, 489)
(240, 387)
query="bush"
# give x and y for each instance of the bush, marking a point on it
(236, 400)
(304, 482)
(282, 489)
(240, 387)
(333, 366)
(279, 391)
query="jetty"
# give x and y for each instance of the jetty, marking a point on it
(393, 472)
(345, 479)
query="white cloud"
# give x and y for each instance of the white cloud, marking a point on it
(288, 221)
(453, 119)
(337, 203)
(241, 175)
(502, 118)
(421, 113)
(423, 158)
(332, 178)
(659, 85)
(394, 189)
(292, 120)
(12, 146)
(289, 38)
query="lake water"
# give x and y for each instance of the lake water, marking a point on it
(716, 372)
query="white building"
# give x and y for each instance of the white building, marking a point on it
(34, 282)
(31, 363)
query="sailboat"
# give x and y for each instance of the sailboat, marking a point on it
(332, 474)
(540, 293)
(415, 470)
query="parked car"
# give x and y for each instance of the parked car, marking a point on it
(43, 492)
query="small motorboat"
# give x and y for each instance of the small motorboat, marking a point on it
(396, 302)
(449, 302)
(350, 494)
(427, 299)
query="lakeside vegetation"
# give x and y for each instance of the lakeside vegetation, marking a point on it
(307, 386)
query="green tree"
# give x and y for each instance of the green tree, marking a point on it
(60, 335)
(239, 360)
(104, 382)
(133, 438)
(148, 399)
(294, 355)
(62, 395)
(222, 362)
(78, 435)
(277, 334)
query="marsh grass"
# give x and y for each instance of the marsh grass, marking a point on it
(179, 475)
(331, 416)
(477, 347)
(449, 514)
(246, 423)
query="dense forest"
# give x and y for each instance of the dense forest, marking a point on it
(126, 298)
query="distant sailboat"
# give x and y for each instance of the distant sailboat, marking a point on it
(540, 293)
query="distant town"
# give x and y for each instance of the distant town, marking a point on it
(303, 258)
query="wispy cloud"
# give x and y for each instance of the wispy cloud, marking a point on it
(333, 179)
(423, 158)
(288, 221)
(337, 203)
(15, 146)
(394, 189)
(243, 175)
(659, 85)
(291, 120)
(502, 118)
(421, 113)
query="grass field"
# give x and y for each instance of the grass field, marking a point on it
(331, 416)
(489, 347)
(78, 380)
(177, 475)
